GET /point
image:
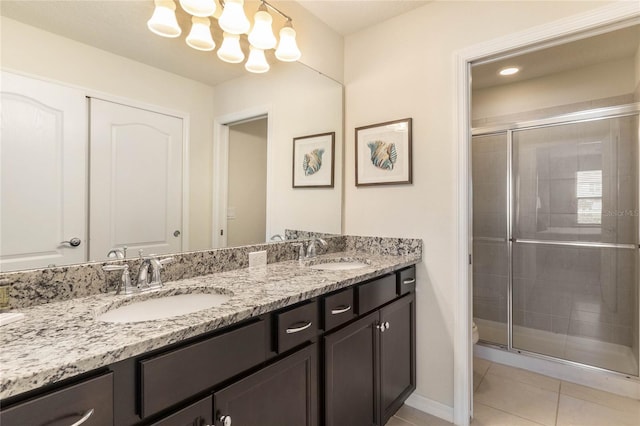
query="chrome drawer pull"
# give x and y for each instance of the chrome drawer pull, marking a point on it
(298, 329)
(340, 310)
(84, 418)
(409, 281)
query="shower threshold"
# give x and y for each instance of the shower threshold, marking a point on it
(582, 350)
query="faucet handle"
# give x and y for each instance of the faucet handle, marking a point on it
(301, 250)
(125, 279)
(157, 265)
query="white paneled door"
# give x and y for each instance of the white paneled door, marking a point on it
(42, 174)
(135, 180)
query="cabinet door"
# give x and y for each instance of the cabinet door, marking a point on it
(283, 394)
(351, 374)
(397, 354)
(196, 414)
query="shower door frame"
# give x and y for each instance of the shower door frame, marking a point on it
(511, 222)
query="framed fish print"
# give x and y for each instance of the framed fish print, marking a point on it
(383, 153)
(313, 158)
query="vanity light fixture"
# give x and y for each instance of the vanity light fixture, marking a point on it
(509, 71)
(234, 23)
(164, 22)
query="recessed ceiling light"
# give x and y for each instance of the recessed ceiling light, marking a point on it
(509, 71)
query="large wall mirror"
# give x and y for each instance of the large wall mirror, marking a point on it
(92, 69)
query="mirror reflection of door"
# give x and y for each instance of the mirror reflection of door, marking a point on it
(42, 174)
(135, 180)
(247, 183)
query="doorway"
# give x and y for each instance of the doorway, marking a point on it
(247, 183)
(610, 16)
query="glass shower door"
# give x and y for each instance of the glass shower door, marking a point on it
(490, 244)
(575, 242)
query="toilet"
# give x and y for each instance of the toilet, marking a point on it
(474, 333)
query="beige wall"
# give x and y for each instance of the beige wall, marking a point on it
(594, 82)
(247, 183)
(322, 48)
(404, 67)
(301, 102)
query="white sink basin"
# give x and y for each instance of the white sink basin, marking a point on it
(338, 266)
(163, 307)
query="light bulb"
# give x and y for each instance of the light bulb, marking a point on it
(233, 20)
(163, 22)
(287, 50)
(200, 35)
(257, 62)
(261, 36)
(509, 71)
(200, 8)
(230, 50)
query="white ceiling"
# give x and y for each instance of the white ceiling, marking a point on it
(349, 16)
(615, 45)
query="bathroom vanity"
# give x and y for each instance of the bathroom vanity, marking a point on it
(292, 346)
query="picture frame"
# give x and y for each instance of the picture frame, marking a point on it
(313, 160)
(383, 153)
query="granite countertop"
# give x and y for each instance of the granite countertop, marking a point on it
(59, 340)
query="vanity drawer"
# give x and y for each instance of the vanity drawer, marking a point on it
(375, 293)
(92, 398)
(296, 326)
(406, 280)
(174, 376)
(338, 308)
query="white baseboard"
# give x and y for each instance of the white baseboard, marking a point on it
(430, 406)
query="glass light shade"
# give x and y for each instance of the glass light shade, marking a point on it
(261, 36)
(163, 22)
(200, 8)
(200, 35)
(257, 62)
(233, 20)
(287, 50)
(230, 50)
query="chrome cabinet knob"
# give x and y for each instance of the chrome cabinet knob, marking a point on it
(73, 242)
(383, 326)
(225, 420)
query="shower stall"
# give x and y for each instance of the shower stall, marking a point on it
(555, 237)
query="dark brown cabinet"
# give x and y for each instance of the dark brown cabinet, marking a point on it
(352, 374)
(176, 375)
(89, 402)
(284, 393)
(196, 414)
(370, 366)
(397, 354)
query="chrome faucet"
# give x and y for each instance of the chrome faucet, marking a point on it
(156, 266)
(277, 237)
(143, 273)
(311, 248)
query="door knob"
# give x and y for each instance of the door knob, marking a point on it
(74, 242)
(225, 420)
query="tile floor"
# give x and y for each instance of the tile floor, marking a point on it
(507, 396)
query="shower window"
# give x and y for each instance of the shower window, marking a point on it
(589, 194)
